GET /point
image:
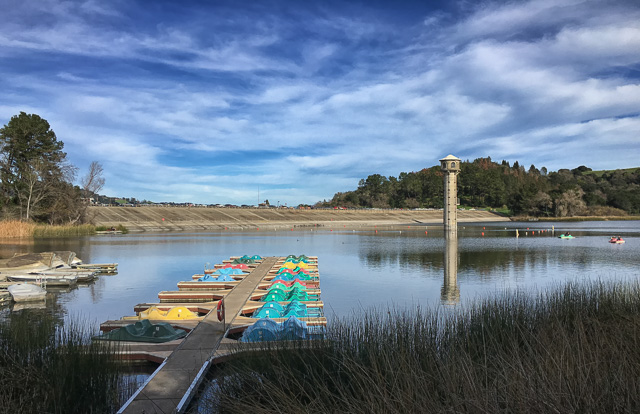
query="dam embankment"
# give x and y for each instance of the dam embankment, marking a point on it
(207, 218)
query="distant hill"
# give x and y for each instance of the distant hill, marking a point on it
(483, 183)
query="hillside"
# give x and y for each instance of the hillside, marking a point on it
(194, 218)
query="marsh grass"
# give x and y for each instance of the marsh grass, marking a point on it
(16, 228)
(21, 229)
(573, 349)
(120, 227)
(46, 368)
(63, 231)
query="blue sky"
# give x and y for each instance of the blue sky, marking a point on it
(293, 101)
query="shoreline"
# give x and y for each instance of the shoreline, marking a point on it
(524, 219)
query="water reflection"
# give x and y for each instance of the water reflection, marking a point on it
(450, 293)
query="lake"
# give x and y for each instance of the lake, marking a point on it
(359, 270)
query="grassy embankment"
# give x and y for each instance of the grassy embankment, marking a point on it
(575, 349)
(46, 368)
(17, 228)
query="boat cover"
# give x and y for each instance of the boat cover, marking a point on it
(144, 331)
(268, 330)
(220, 278)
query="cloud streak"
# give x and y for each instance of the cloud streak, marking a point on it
(209, 102)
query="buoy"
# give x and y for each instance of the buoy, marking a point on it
(425, 232)
(483, 228)
(483, 233)
(376, 231)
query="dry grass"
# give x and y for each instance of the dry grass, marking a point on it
(44, 230)
(16, 228)
(576, 349)
(21, 229)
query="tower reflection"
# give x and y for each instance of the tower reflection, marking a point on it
(450, 293)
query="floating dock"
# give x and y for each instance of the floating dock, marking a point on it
(185, 361)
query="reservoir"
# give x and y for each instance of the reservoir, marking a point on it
(398, 266)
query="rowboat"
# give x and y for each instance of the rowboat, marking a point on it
(48, 279)
(616, 240)
(25, 292)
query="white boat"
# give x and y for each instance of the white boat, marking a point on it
(81, 275)
(48, 279)
(25, 292)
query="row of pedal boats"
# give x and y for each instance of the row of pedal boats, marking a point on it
(290, 297)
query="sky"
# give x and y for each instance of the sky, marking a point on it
(292, 101)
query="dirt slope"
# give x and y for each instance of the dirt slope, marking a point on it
(200, 218)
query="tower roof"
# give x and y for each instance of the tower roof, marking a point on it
(450, 158)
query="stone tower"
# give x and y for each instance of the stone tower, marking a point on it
(450, 166)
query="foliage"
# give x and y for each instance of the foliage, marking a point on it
(574, 349)
(36, 180)
(484, 183)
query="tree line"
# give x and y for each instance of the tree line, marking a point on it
(484, 183)
(36, 177)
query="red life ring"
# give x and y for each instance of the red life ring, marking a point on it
(220, 310)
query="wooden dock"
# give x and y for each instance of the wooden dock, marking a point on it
(172, 385)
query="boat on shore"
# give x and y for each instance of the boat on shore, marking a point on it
(25, 292)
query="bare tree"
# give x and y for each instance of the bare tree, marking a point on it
(93, 181)
(91, 184)
(570, 203)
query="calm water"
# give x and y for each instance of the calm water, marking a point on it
(359, 270)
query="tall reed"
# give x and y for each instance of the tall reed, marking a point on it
(49, 368)
(572, 349)
(16, 228)
(21, 229)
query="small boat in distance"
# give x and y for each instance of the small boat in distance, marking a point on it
(566, 236)
(616, 240)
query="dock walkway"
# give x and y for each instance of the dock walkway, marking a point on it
(171, 386)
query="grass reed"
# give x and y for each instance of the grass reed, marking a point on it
(43, 230)
(49, 368)
(21, 229)
(16, 228)
(572, 349)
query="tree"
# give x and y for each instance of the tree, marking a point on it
(93, 181)
(570, 203)
(91, 184)
(31, 161)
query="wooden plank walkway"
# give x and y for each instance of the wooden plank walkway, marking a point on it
(171, 386)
